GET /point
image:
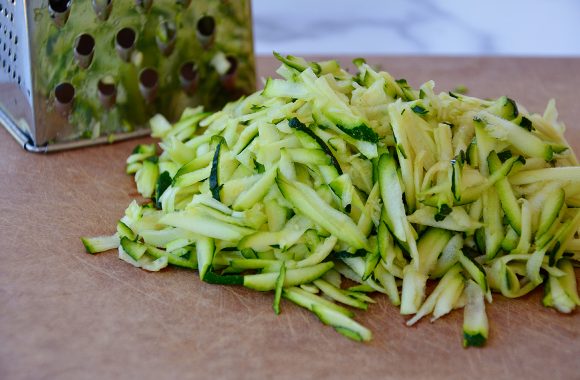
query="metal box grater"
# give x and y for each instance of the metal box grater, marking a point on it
(81, 72)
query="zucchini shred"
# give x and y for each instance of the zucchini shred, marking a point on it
(327, 186)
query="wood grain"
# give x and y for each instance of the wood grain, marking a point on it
(65, 314)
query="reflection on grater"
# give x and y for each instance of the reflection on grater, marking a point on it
(81, 72)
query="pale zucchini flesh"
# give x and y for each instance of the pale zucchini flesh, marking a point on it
(475, 324)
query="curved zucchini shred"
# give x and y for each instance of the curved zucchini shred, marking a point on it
(325, 176)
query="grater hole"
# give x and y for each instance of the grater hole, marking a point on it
(59, 11)
(107, 92)
(84, 49)
(188, 75)
(145, 4)
(125, 42)
(167, 30)
(102, 8)
(206, 26)
(106, 88)
(188, 71)
(148, 83)
(228, 79)
(126, 38)
(149, 78)
(64, 93)
(85, 44)
(165, 36)
(59, 6)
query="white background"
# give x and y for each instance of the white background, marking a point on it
(432, 27)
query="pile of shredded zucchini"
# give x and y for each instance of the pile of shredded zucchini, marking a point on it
(326, 187)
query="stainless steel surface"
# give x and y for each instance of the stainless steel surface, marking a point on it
(83, 143)
(14, 130)
(51, 84)
(15, 48)
(16, 111)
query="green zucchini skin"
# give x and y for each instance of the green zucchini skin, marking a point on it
(213, 177)
(296, 124)
(506, 194)
(163, 182)
(279, 288)
(214, 278)
(473, 339)
(134, 249)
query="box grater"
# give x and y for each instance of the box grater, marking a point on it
(81, 72)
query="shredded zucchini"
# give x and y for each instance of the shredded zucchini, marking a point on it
(326, 175)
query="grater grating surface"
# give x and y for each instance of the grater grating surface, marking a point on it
(15, 74)
(13, 33)
(80, 72)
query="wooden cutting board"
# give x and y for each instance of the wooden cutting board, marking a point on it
(65, 314)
